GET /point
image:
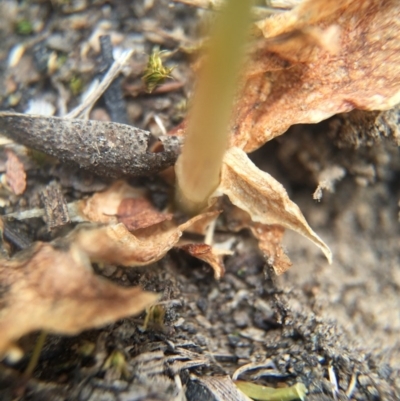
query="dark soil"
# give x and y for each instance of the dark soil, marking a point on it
(316, 324)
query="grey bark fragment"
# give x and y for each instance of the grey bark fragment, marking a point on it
(106, 148)
(55, 206)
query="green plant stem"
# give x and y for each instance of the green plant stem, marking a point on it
(35, 354)
(199, 166)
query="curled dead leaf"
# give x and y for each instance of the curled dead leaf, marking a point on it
(103, 206)
(138, 213)
(116, 245)
(289, 80)
(210, 255)
(54, 289)
(262, 197)
(124, 204)
(269, 237)
(200, 226)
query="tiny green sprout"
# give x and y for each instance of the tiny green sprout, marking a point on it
(180, 110)
(155, 72)
(155, 315)
(61, 60)
(87, 348)
(117, 361)
(24, 27)
(39, 158)
(263, 393)
(76, 85)
(35, 354)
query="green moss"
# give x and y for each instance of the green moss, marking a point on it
(40, 158)
(76, 85)
(24, 27)
(156, 73)
(154, 319)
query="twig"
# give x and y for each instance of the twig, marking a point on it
(105, 148)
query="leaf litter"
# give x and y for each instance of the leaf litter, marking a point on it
(292, 78)
(136, 234)
(54, 289)
(142, 240)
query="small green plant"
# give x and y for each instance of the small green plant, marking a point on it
(155, 72)
(117, 361)
(155, 315)
(76, 85)
(24, 27)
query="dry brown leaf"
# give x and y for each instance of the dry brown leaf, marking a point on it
(364, 73)
(269, 241)
(103, 206)
(269, 237)
(200, 226)
(15, 173)
(121, 203)
(138, 213)
(208, 254)
(52, 289)
(262, 197)
(116, 245)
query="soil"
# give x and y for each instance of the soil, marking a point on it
(334, 328)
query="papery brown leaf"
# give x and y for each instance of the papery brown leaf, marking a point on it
(54, 289)
(200, 226)
(262, 197)
(103, 206)
(269, 237)
(116, 245)
(280, 91)
(206, 253)
(15, 173)
(122, 203)
(269, 241)
(138, 213)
